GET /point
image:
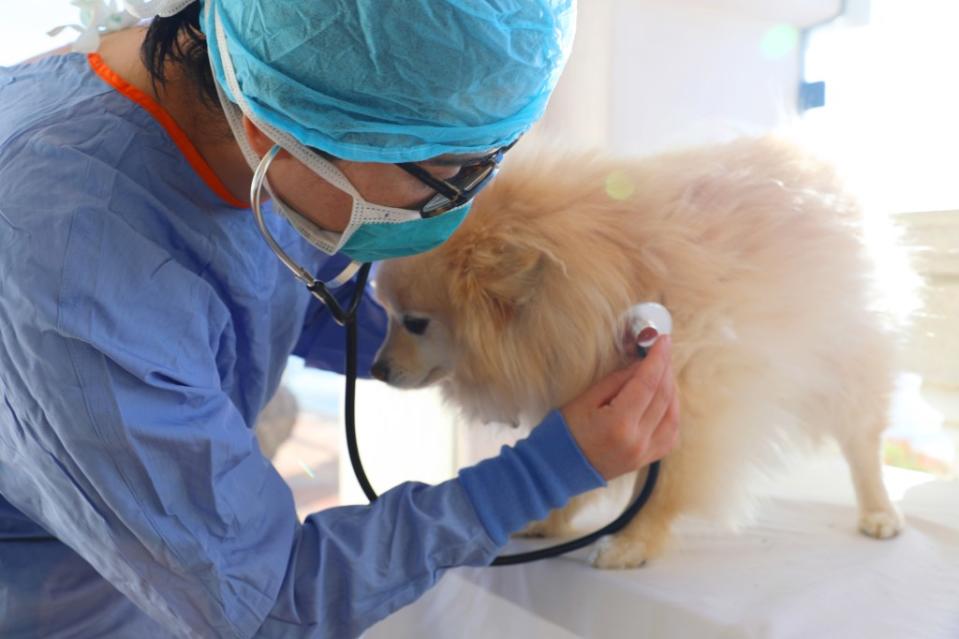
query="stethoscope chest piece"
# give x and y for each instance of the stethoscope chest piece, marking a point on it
(642, 326)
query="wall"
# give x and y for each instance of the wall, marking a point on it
(646, 75)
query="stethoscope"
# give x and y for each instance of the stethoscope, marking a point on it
(644, 324)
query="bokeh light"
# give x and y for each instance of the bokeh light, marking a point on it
(619, 185)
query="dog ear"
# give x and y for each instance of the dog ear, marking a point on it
(498, 273)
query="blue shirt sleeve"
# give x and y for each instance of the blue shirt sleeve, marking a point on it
(540, 473)
(157, 483)
(117, 438)
(134, 339)
(378, 558)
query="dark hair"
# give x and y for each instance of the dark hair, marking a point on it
(178, 40)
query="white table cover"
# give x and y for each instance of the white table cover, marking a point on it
(800, 571)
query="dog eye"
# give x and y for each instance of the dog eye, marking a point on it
(415, 325)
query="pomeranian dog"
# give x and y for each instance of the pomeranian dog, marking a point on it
(757, 250)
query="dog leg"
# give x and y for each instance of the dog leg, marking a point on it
(646, 535)
(878, 516)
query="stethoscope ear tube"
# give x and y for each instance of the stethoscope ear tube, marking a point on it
(503, 560)
(344, 317)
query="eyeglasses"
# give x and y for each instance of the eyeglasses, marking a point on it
(461, 188)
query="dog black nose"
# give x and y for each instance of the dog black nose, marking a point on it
(380, 370)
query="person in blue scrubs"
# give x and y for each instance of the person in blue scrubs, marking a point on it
(145, 321)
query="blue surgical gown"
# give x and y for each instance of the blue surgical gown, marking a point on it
(143, 325)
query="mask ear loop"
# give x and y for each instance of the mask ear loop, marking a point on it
(316, 287)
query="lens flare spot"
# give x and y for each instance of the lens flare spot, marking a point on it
(779, 41)
(619, 186)
(306, 468)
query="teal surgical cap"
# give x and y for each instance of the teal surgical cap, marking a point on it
(394, 80)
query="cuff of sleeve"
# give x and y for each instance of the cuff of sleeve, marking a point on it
(523, 483)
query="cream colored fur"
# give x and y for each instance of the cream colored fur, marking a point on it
(755, 248)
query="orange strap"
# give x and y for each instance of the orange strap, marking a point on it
(163, 117)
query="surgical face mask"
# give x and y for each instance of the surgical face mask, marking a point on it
(374, 232)
(371, 242)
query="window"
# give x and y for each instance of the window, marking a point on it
(892, 96)
(890, 118)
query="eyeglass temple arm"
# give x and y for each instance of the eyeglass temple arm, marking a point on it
(440, 186)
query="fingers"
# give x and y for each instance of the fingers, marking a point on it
(603, 392)
(666, 436)
(629, 418)
(640, 389)
(655, 413)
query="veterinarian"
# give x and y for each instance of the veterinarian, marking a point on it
(144, 322)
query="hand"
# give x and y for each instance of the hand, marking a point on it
(630, 418)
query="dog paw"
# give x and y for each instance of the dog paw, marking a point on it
(881, 524)
(618, 553)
